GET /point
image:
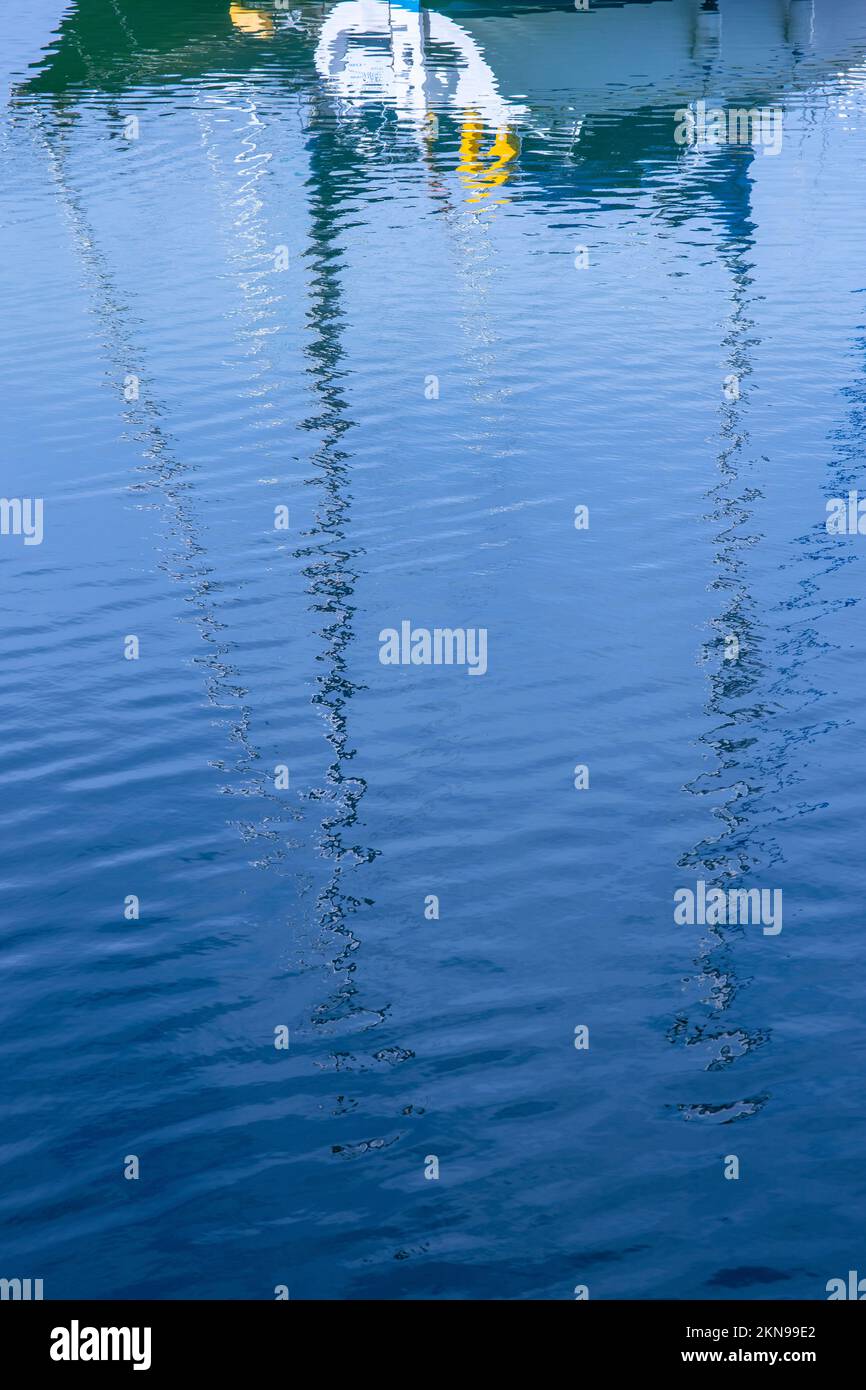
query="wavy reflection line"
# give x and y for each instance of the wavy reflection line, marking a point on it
(757, 730)
(168, 479)
(329, 564)
(739, 716)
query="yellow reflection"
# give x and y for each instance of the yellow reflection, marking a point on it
(251, 21)
(483, 173)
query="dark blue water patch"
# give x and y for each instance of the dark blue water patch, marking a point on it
(746, 1277)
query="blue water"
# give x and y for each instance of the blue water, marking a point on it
(240, 305)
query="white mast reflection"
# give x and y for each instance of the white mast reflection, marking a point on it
(405, 74)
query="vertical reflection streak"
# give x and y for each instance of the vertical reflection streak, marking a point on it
(739, 717)
(330, 567)
(168, 479)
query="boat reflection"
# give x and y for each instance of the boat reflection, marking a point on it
(252, 21)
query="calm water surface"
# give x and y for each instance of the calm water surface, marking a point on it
(239, 304)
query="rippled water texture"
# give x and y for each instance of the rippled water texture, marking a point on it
(431, 281)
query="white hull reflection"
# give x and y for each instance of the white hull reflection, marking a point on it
(528, 65)
(500, 75)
